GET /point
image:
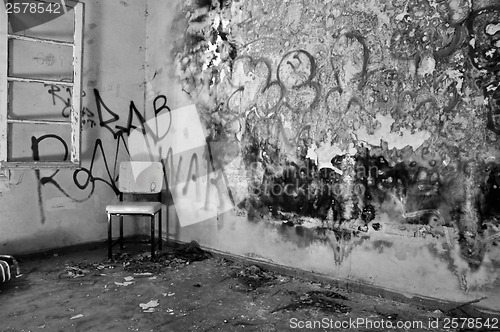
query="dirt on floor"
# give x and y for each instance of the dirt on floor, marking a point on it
(187, 289)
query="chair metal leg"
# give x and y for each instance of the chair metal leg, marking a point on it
(152, 236)
(121, 232)
(110, 240)
(166, 225)
(160, 235)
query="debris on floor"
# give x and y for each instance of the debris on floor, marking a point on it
(76, 272)
(208, 295)
(82, 269)
(143, 274)
(150, 306)
(255, 277)
(191, 252)
(185, 254)
(325, 301)
(77, 316)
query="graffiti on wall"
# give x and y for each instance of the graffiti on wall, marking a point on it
(193, 173)
(351, 116)
(100, 160)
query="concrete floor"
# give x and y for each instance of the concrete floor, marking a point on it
(84, 291)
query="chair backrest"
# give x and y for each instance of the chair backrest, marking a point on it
(140, 177)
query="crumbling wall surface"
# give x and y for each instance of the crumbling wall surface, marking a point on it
(51, 208)
(368, 131)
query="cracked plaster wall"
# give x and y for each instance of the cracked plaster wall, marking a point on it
(368, 131)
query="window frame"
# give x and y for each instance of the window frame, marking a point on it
(76, 95)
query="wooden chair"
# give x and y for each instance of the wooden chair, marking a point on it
(137, 177)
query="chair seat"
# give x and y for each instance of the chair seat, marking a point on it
(134, 208)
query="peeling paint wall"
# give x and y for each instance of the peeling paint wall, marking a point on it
(48, 208)
(366, 133)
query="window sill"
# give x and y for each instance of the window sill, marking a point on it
(37, 165)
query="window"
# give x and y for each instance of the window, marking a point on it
(35, 63)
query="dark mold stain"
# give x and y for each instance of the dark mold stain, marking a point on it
(380, 245)
(199, 19)
(204, 3)
(193, 40)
